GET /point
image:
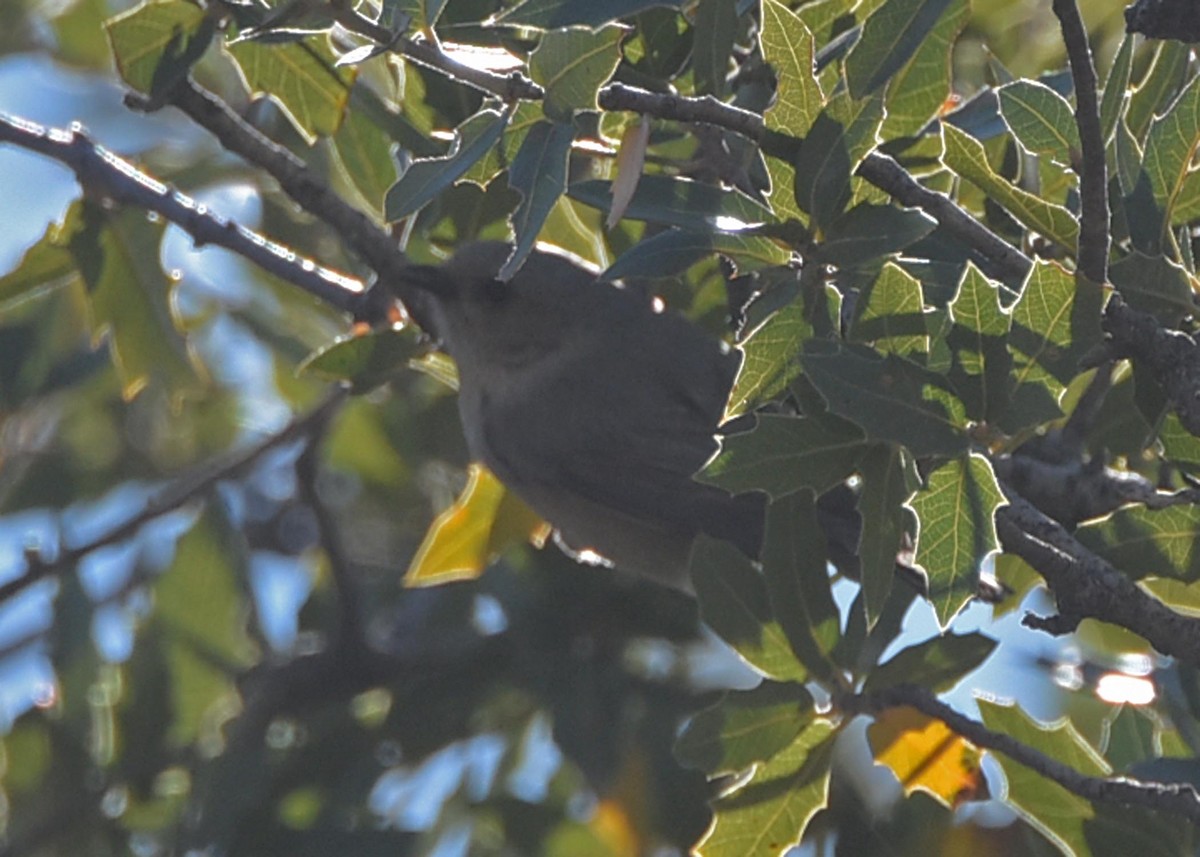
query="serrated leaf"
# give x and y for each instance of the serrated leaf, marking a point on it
(734, 602)
(539, 174)
(965, 156)
(839, 138)
(890, 37)
(550, 14)
(1040, 119)
(425, 179)
(483, 522)
(890, 314)
(866, 232)
(365, 152)
(785, 454)
(1179, 444)
(678, 202)
(572, 64)
(769, 812)
(1148, 542)
(938, 664)
(889, 481)
(798, 585)
(978, 341)
(771, 357)
(957, 512)
(889, 397)
(1055, 812)
(130, 301)
(156, 41)
(1055, 321)
(788, 46)
(671, 252)
(302, 77)
(46, 265)
(1156, 285)
(1158, 86)
(366, 360)
(917, 93)
(924, 754)
(745, 727)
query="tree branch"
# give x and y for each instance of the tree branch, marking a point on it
(1087, 586)
(171, 497)
(1092, 254)
(104, 175)
(1176, 798)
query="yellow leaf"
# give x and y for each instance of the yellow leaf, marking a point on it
(925, 754)
(483, 522)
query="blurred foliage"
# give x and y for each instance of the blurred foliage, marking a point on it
(209, 678)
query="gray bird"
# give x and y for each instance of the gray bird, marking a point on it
(590, 403)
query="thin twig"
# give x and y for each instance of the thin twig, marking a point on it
(1176, 798)
(171, 497)
(105, 176)
(1092, 255)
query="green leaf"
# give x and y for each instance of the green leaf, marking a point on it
(889, 397)
(918, 91)
(1179, 445)
(771, 358)
(551, 14)
(715, 29)
(201, 607)
(365, 152)
(769, 812)
(788, 46)
(1170, 147)
(890, 37)
(840, 137)
(797, 574)
(965, 156)
(745, 727)
(734, 602)
(46, 265)
(1156, 285)
(302, 77)
(1148, 542)
(539, 174)
(957, 512)
(1116, 89)
(889, 481)
(425, 179)
(671, 252)
(1041, 120)
(1166, 74)
(978, 340)
(158, 42)
(866, 232)
(1055, 812)
(678, 202)
(117, 254)
(785, 454)
(938, 663)
(572, 64)
(890, 314)
(367, 361)
(1056, 321)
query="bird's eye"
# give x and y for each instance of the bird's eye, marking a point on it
(496, 291)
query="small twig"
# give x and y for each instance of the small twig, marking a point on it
(351, 633)
(171, 497)
(1092, 254)
(105, 176)
(1176, 798)
(1087, 586)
